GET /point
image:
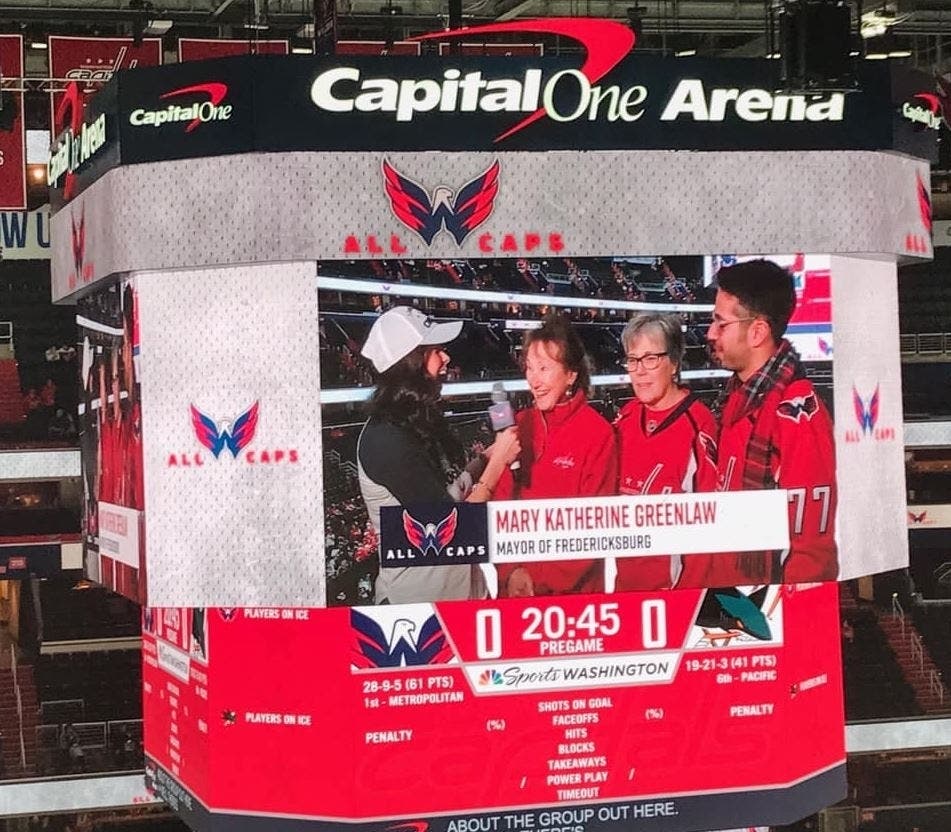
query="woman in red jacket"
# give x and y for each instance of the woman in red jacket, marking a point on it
(665, 440)
(568, 450)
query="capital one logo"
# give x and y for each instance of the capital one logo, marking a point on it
(205, 110)
(924, 110)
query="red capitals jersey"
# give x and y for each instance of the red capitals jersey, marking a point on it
(802, 460)
(665, 452)
(567, 452)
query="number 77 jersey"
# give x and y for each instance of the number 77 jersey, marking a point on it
(786, 442)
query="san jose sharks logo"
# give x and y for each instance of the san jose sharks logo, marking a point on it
(866, 410)
(400, 640)
(799, 408)
(233, 436)
(459, 212)
(730, 615)
(435, 536)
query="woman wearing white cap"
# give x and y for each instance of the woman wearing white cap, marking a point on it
(408, 454)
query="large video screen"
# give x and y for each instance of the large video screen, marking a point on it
(625, 430)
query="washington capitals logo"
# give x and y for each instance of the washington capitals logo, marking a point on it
(824, 345)
(435, 536)
(408, 643)
(228, 613)
(799, 408)
(924, 203)
(917, 518)
(866, 410)
(459, 212)
(78, 239)
(234, 437)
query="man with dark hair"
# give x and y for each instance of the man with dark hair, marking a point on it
(775, 432)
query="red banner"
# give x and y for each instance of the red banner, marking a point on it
(198, 49)
(12, 140)
(92, 61)
(638, 704)
(377, 47)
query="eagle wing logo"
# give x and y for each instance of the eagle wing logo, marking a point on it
(408, 644)
(234, 437)
(799, 408)
(435, 536)
(78, 238)
(460, 213)
(924, 203)
(866, 412)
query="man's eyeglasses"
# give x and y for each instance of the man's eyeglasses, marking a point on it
(720, 324)
(649, 360)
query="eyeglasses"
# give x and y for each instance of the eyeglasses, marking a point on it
(649, 360)
(720, 324)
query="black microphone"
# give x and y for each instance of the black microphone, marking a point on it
(502, 415)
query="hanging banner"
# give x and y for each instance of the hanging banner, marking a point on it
(12, 133)
(199, 49)
(565, 714)
(378, 47)
(25, 235)
(93, 61)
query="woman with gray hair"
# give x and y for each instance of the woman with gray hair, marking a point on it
(666, 442)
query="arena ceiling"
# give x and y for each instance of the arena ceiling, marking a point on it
(714, 27)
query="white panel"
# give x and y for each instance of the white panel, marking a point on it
(245, 528)
(39, 464)
(927, 434)
(303, 206)
(870, 465)
(80, 795)
(893, 736)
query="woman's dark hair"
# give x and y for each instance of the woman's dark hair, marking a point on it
(569, 348)
(407, 396)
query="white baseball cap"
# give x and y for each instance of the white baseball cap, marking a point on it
(398, 331)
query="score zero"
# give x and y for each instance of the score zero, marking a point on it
(585, 631)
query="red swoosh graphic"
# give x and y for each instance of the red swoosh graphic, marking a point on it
(215, 91)
(606, 42)
(930, 99)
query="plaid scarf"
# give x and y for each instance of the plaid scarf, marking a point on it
(757, 398)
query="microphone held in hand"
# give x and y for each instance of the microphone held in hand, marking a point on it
(502, 415)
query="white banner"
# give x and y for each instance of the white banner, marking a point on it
(661, 524)
(25, 235)
(930, 517)
(119, 533)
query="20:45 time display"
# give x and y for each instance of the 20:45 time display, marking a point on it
(553, 622)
